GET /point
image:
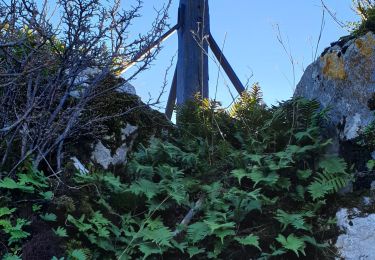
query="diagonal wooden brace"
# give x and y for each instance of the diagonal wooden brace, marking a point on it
(225, 65)
(149, 48)
(172, 97)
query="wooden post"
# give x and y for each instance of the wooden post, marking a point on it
(192, 65)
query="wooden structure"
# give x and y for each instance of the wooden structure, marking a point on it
(194, 40)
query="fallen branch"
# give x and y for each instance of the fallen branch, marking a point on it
(192, 212)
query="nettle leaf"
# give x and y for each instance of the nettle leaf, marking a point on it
(60, 232)
(292, 243)
(101, 224)
(285, 158)
(98, 219)
(180, 246)
(48, 195)
(255, 158)
(6, 211)
(6, 224)
(239, 174)
(79, 223)
(250, 240)
(221, 230)
(48, 217)
(36, 207)
(197, 231)
(15, 232)
(223, 233)
(257, 177)
(215, 226)
(36, 180)
(8, 183)
(193, 251)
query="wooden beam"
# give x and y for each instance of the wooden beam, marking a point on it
(140, 56)
(225, 65)
(172, 97)
(192, 66)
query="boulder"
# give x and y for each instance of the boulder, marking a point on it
(343, 79)
(103, 154)
(358, 234)
(126, 87)
(123, 122)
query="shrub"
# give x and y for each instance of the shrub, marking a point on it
(218, 188)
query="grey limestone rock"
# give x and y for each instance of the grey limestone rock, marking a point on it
(358, 238)
(343, 79)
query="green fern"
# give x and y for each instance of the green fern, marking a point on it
(9, 256)
(333, 165)
(193, 251)
(8, 183)
(149, 249)
(197, 231)
(15, 232)
(297, 220)
(60, 232)
(79, 223)
(145, 187)
(318, 190)
(51, 217)
(156, 232)
(78, 254)
(293, 243)
(6, 211)
(250, 240)
(257, 176)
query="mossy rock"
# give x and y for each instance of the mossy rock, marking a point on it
(108, 114)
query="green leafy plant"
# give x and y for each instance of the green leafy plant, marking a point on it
(366, 10)
(227, 189)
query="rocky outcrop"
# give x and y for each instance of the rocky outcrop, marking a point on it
(103, 155)
(123, 121)
(358, 238)
(343, 79)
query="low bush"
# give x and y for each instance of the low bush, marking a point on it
(251, 183)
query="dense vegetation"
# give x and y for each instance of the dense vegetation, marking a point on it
(366, 10)
(251, 182)
(248, 182)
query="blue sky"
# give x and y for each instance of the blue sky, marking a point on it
(251, 46)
